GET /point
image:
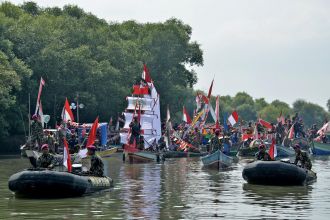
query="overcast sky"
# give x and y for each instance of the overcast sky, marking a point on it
(277, 49)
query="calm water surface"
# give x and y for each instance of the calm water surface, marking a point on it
(177, 189)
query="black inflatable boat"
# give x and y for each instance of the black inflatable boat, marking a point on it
(47, 183)
(276, 173)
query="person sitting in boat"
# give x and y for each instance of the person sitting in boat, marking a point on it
(215, 141)
(226, 145)
(135, 130)
(303, 157)
(46, 160)
(97, 167)
(262, 154)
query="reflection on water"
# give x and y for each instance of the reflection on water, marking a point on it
(177, 189)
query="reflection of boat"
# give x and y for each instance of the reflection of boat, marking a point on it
(276, 173)
(46, 183)
(320, 148)
(271, 192)
(217, 160)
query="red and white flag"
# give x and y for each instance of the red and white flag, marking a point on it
(66, 112)
(281, 119)
(146, 74)
(291, 132)
(325, 128)
(233, 118)
(273, 150)
(66, 156)
(266, 124)
(217, 110)
(92, 133)
(186, 116)
(42, 83)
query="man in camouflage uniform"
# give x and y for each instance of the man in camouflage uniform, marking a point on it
(46, 160)
(97, 167)
(50, 140)
(37, 130)
(262, 154)
(303, 157)
(215, 142)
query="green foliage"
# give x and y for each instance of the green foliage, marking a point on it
(328, 105)
(311, 113)
(242, 98)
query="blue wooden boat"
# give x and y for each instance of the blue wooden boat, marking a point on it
(285, 151)
(320, 148)
(217, 160)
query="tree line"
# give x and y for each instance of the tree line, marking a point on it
(77, 53)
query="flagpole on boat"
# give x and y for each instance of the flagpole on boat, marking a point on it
(29, 116)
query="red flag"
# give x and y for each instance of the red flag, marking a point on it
(210, 90)
(66, 112)
(205, 99)
(186, 116)
(266, 124)
(146, 74)
(66, 156)
(92, 133)
(291, 132)
(273, 150)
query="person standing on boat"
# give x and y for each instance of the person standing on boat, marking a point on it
(226, 145)
(262, 154)
(37, 130)
(215, 142)
(135, 131)
(46, 160)
(303, 157)
(97, 167)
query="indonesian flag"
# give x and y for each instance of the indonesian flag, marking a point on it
(186, 116)
(66, 112)
(256, 135)
(42, 83)
(325, 128)
(217, 109)
(66, 156)
(40, 113)
(281, 119)
(198, 101)
(266, 124)
(92, 133)
(233, 118)
(291, 132)
(146, 74)
(273, 150)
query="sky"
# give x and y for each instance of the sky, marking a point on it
(276, 49)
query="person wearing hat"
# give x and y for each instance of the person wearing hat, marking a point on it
(303, 157)
(135, 131)
(262, 154)
(215, 141)
(36, 130)
(46, 160)
(97, 166)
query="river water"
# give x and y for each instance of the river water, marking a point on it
(177, 189)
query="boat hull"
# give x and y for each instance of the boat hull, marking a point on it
(47, 183)
(107, 152)
(179, 154)
(217, 160)
(320, 148)
(141, 157)
(276, 173)
(285, 152)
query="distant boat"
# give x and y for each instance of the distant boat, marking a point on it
(320, 148)
(217, 160)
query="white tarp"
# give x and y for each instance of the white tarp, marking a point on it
(146, 121)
